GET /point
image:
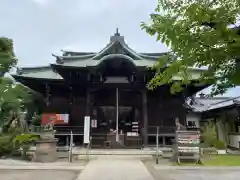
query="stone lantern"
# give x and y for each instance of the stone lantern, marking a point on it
(46, 147)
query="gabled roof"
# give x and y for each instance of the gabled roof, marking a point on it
(208, 104)
(116, 48)
(225, 103)
(211, 100)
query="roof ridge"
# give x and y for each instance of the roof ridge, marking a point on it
(79, 56)
(226, 100)
(123, 44)
(77, 52)
(131, 50)
(33, 67)
(153, 56)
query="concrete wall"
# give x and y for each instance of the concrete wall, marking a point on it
(234, 140)
(221, 130)
(194, 117)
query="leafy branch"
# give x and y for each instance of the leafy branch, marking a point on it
(199, 34)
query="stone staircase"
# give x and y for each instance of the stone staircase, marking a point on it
(141, 154)
(121, 153)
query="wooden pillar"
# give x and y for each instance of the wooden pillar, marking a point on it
(164, 141)
(88, 103)
(215, 122)
(145, 117)
(67, 141)
(136, 114)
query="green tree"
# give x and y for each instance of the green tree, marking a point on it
(7, 56)
(200, 34)
(13, 96)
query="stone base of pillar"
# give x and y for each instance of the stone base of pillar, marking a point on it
(46, 150)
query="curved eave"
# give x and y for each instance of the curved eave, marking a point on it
(22, 77)
(95, 63)
(112, 56)
(65, 66)
(32, 90)
(154, 54)
(75, 57)
(77, 52)
(130, 50)
(152, 57)
(37, 84)
(69, 59)
(34, 69)
(111, 45)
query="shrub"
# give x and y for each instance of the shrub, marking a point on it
(11, 142)
(219, 144)
(36, 121)
(7, 146)
(208, 134)
(24, 141)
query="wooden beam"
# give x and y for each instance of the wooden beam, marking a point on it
(145, 116)
(88, 102)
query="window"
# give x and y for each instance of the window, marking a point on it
(191, 124)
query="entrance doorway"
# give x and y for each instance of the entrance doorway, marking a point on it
(117, 113)
(125, 117)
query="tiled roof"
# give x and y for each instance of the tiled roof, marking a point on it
(44, 72)
(116, 48)
(224, 103)
(208, 104)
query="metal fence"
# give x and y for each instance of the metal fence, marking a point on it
(152, 130)
(60, 130)
(165, 137)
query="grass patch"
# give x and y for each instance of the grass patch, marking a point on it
(222, 160)
(217, 160)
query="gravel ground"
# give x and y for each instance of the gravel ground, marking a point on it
(37, 175)
(9, 162)
(203, 174)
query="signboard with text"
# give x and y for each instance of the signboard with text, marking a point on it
(87, 123)
(51, 118)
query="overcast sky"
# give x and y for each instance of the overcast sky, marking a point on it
(42, 27)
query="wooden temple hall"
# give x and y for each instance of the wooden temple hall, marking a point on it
(110, 87)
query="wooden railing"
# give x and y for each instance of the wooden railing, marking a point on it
(152, 130)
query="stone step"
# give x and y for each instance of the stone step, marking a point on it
(115, 152)
(115, 169)
(112, 157)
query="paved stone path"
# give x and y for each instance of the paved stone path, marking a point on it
(115, 169)
(196, 175)
(10, 164)
(38, 175)
(162, 172)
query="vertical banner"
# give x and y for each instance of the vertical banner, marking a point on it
(117, 137)
(94, 123)
(86, 135)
